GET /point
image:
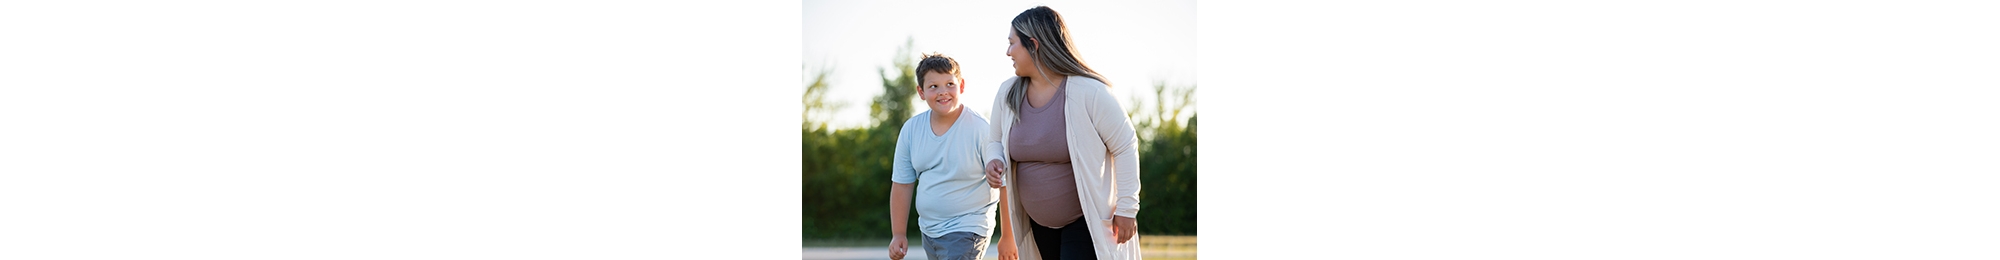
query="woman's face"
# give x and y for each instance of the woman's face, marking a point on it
(1017, 48)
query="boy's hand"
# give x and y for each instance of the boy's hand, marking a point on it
(897, 247)
(993, 173)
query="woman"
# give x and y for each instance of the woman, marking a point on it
(1073, 191)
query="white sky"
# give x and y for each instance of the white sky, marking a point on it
(1133, 43)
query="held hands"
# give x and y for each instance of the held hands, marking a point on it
(898, 247)
(1124, 228)
(993, 170)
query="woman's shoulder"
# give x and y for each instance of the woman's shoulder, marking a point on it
(1087, 81)
(1089, 86)
(1007, 85)
(1000, 92)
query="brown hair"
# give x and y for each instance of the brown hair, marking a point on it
(936, 62)
(1050, 47)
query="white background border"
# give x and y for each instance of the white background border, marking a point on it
(654, 130)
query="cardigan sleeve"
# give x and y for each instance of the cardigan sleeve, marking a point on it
(994, 149)
(1119, 140)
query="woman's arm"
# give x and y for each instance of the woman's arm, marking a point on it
(1006, 243)
(995, 152)
(1123, 144)
(995, 158)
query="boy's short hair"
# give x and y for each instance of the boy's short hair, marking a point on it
(936, 62)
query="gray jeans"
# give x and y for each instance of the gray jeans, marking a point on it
(955, 246)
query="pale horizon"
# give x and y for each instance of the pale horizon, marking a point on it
(1132, 43)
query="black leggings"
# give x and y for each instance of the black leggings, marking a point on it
(1068, 243)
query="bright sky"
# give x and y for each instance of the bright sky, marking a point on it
(1133, 43)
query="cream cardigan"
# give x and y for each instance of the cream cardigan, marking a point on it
(1103, 152)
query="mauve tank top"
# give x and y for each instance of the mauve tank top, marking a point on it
(1040, 152)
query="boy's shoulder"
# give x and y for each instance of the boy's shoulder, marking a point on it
(975, 123)
(911, 124)
(975, 118)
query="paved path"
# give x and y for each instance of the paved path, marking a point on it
(1157, 247)
(858, 253)
(917, 253)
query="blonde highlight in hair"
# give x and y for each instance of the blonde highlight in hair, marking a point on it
(1051, 49)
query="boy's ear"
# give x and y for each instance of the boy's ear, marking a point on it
(961, 84)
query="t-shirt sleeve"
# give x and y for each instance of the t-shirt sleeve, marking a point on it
(901, 171)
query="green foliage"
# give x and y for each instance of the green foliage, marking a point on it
(815, 100)
(846, 171)
(1166, 162)
(894, 105)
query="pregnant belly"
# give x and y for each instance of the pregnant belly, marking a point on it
(1048, 193)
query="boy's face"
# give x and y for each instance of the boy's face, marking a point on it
(941, 91)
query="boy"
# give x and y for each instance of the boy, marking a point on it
(937, 162)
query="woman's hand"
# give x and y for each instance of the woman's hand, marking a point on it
(898, 247)
(993, 173)
(1007, 249)
(1124, 228)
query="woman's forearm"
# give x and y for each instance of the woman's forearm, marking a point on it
(1006, 227)
(1127, 179)
(1122, 142)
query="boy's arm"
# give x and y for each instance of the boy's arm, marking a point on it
(899, 208)
(899, 217)
(902, 186)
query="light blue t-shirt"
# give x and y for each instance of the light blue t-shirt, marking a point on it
(951, 193)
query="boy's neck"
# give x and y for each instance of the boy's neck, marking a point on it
(948, 116)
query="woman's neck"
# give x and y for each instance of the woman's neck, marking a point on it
(1049, 82)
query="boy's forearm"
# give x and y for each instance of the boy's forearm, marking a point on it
(899, 208)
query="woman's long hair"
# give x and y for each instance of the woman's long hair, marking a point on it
(1050, 48)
